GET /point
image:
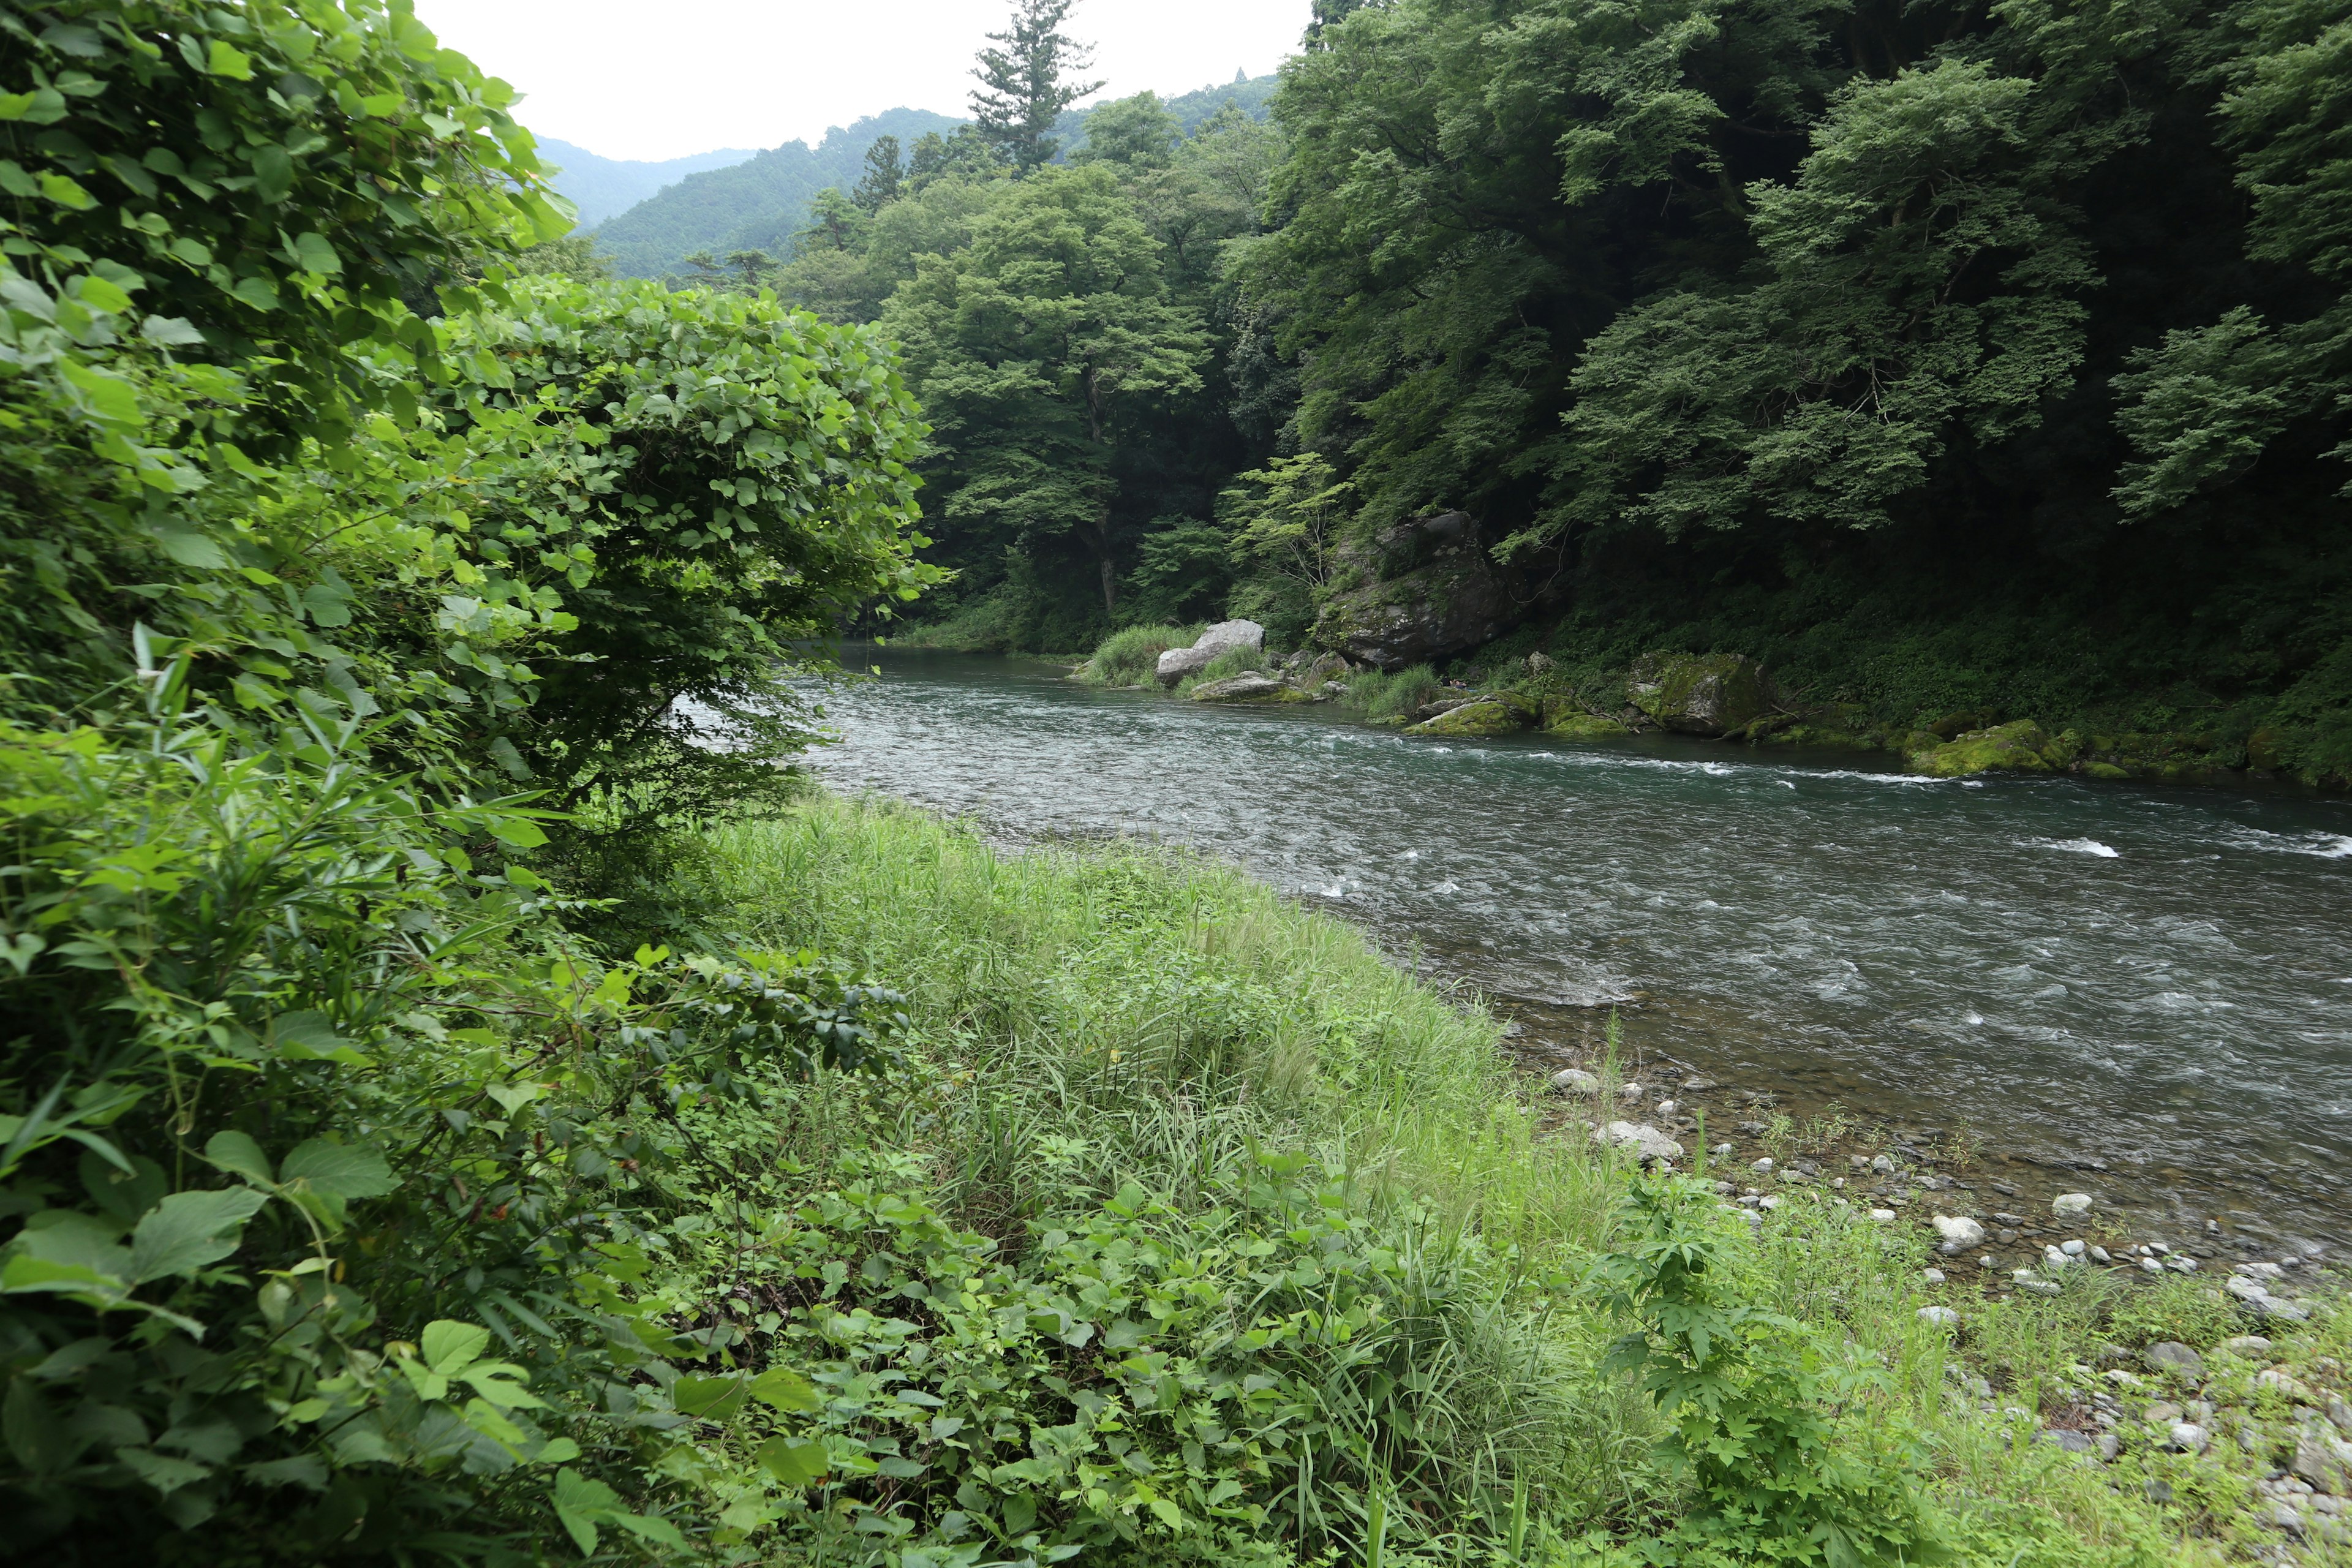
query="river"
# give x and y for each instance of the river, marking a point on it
(2144, 991)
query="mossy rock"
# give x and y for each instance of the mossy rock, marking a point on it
(2016, 748)
(1486, 716)
(1250, 687)
(2266, 749)
(1582, 726)
(2105, 771)
(1700, 694)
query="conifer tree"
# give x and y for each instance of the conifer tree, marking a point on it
(1024, 83)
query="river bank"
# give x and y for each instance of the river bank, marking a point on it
(2075, 971)
(1132, 1026)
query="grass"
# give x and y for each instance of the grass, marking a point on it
(1389, 696)
(1130, 655)
(1092, 1019)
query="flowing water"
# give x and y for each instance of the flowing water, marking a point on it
(2147, 991)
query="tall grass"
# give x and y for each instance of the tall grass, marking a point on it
(1122, 1014)
(1130, 655)
(1376, 695)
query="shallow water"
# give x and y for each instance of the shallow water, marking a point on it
(2158, 979)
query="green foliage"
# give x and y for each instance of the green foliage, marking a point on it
(1025, 83)
(1751, 1398)
(2189, 1310)
(1130, 655)
(1037, 348)
(1380, 695)
(285, 174)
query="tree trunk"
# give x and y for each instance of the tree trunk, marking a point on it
(1110, 582)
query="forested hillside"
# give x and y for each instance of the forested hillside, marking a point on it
(763, 206)
(605, 187)
(1959, 363)
(756, 203)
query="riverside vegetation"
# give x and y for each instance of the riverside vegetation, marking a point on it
(1964, 365)
(448, 1113)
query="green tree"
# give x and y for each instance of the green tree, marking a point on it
(883, 177)
(1137, 133)
(1025, 83)
(1041, 351)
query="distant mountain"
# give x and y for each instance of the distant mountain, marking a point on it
(601, 187)
(760, 201)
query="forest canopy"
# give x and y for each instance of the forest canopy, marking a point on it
(2013, 337)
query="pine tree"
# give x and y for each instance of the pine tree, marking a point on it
(1024, 82)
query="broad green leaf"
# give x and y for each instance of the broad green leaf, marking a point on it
(256, 291)
(578, 1503)
(67, 192)
(188, 1230)
(103, 393)
(237, 1152)
(326, 607)
(229, 61)
(100, 294)
(793, 1462)
(784, 1390)
(709, 1398)
(315, 254)
(12, 105)
(346, 1170)
(448, 1346)
(170, 332)
(520, 832)
(189, 548)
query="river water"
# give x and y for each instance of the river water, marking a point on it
(2145, 990)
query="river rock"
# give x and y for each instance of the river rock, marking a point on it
(1651, 1143)
(1575, 1081)
(2071, 1205)
(2247, 1345)
(1959, 1233)
(2189, 1437)
(2172, 1355)
(1501, 714)
(1250, 688)
(1223, 638)
(1707, 694)
(2021, 747)
(1942, 1317)
(1430, 588)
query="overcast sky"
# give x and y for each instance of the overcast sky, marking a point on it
(637, 79)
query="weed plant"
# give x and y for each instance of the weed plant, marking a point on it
(1130, 657)
(1380, 695)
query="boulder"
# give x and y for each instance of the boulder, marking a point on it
(1576, 724)
(1709, 694)
(1575, 1081)
(1250, 688)
(1960, 1233)
(1648, 1141)
(1223, 638)
(1428, 589)
(1499, 715)
(2071, 1205)
(2021, 747)
(2172, 1355)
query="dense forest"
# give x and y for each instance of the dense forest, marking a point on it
(599, 188)
(1954, 360)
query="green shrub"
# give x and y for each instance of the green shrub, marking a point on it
(1379, 695)
(1130, 657)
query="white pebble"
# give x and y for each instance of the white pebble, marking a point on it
(1762, 1167)
(1943, 1317)
(2071, 1248)
(2151, 1265)
(1932, 1276)
(1881, 1215)
(2069, 1205)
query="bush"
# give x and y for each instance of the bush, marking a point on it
(1130, 657)
(2189, 1310)
(1378, 695)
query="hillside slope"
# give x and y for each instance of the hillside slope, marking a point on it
(756, 203)
(761, 200)
(603, 187)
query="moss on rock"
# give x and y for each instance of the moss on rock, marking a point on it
(2017, 747)
(1703, 694)
(1501, 714)
(1578, 725)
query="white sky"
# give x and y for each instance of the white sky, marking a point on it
(633, 78)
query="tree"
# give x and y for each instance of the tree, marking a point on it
(1024, 86)
(1039, 353)
(883, 177)
(1137, 133)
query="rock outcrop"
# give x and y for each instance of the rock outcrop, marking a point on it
(1221, 638)
(1424, 589)
(1502, 713)
(1700, 694)
(1251, 687)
